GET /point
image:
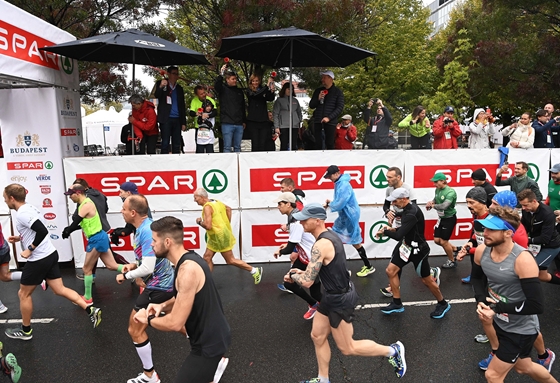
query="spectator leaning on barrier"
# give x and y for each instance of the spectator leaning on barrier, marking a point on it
(204, 109)
(446, 130)
(481, 127)
(378, 125)
(521, 134)
(419, 127)
(232, 109)
(345, 134)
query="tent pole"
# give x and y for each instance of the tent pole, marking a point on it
(291, 98)
(133, 89)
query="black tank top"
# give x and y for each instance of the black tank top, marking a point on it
(334, 276)
(207, 327)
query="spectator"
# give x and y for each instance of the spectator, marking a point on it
(520, 181)
(481, 128)
(345, 134)
(419, 127)
(281, 113)
(328, 102)
(258, 123)
(126, 138)
(446, 130)
(392, 141)
(521, 134)
(204, 109)
(232, 109)
(144, 121)
(555, 136)
(544, 125)
(171, 110)
(270, 144)
(377, 131)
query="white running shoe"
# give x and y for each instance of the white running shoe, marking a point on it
(3, 308)
(220, 370)
(143, 378)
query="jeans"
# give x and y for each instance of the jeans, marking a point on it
(232, 134)
(171, 129)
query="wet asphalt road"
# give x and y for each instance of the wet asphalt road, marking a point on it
(270, 339)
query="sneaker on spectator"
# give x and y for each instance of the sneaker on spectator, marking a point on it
(313, 380)
(547, 362)
(12, 368)
(467, 279)
(483, 364)
(311, 312)
(398, 361)
(365, 271)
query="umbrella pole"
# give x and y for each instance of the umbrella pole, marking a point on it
(133, 89)
(291, 98)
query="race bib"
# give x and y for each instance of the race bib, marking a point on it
(203, 134)
(479, 237)
(548, 139)
(405, 251)
(374, 128)
(447, 135)
(169, 100)
(534, 249)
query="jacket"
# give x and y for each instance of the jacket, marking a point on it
(542, 132)
(344, 137)
(257, 109)
(145, 120)
(380, 138)
(541, 226)
(417, 130)
(524, 134)
(332, 106)
(232, 102)
(100, 201)
(445, 135)
(517, 184)
(163, 108)
(480, 132)
(281, 113)
(347, 225)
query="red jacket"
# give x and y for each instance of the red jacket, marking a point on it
(145, 120)
(344, 137)
(445, 136)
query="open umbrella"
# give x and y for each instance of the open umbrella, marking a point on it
(291, 47)
(132, 47)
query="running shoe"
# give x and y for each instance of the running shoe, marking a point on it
(547, 362)
(365, 271)
(483, 364)
(258, 275)
(398, 361)
(557, 274)
(220, 370)
(313, 380)
(467, 279)
(310, 312)
(281, 287)
(481, 338)
(3, 308)
(95, 316)
(143, 378)
(392, 308)
(44, 285)
(12, 368)
(440, 310)
(435, 272)
(449, 264)
(18, 333)
(385, 291)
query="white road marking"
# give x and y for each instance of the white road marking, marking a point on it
(37, 320)
(419, 303)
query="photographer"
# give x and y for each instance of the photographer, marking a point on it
(378, 125)
(521, 134)
(446, 130)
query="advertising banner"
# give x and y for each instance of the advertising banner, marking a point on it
(260, 174)
(168, 182)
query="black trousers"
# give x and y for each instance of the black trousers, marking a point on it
(329, 136)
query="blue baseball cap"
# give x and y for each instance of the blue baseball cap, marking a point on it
(506, 198)
(129, 187)
(311, 210)
(493, 222)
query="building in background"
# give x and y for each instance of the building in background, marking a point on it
(439, 12)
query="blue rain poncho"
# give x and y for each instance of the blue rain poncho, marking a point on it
(347, 225)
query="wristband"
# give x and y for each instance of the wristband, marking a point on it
(292, 273)
(124, 276)
(150, 317)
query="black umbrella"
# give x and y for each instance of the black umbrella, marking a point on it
(291, 47)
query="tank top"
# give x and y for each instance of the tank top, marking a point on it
(208, 329)
(220, 237)
(334, 276)
(92, 225)
(504, 286)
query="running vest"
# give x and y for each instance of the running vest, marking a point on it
(220, 237)
(504, 286)
(334, 276)
(207, 327)
(92, 225)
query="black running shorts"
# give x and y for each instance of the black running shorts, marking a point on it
(35, 272)
(151, 296)
(198, 369)
(444, 229)
(513, 346)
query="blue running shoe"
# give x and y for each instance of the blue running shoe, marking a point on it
(281, 287)
(466, 279)
(547, 362)
(398, 361)
(483, 364)
(440, 310)
(392, 308)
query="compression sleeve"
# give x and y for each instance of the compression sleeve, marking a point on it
(442, 206)
(533, 303)
(75, 225)
(40, 232)
(289, 249)
(478, 281)
(146, 268)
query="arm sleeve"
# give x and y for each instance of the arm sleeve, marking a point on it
(533, 303)
(289, 249)
(442, 206)
(491, 129)
(40, 232)
(75, 225)
(535, 188)
(158, 91)
(276, 113)
(538, 127)
(408, 222)
(269, 95)
(386, 206)
(475, 128)
(149, 124)
(479, 282)
(146, 268)
(218, 84)
(507, 131)
(352, 133)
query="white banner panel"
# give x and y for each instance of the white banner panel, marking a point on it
(554, 157)
(194, 238)
(458, 166)
(168, 181)
(4, 180)
(69, 123)
(260, 174)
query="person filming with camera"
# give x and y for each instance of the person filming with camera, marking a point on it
(446, 130)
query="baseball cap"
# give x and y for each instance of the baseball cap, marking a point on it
(478, 194)
(331, 170)
(75, 189)
(311, 210)
(438, 177)
(479, 175)
(398, 193)
(506, 198)
(347, 117)
(554, 169)
(328, 73)
(449, 109)
(129, 187)
(286, 197)
(495, 223)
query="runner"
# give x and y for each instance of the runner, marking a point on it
(42, 262)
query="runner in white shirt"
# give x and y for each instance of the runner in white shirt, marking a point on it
(42, 262)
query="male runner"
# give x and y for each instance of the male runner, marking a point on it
(336, 311)
(411, 247)
(98, 241)
(196, 307)
(216, 218)
(288, 185)
(126, 190)
(155, 275)
(42, 262)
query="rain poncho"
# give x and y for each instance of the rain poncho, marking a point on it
(347, 225)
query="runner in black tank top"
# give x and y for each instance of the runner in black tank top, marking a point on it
(336, 310)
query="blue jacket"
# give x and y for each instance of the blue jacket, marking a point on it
(542, 131)
(347, 225)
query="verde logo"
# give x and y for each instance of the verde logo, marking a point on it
(378, 178)
(533, 172)
(49, 165)
(67, 64)
(215, 181)
(374, 229)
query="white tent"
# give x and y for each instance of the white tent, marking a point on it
(104, 128)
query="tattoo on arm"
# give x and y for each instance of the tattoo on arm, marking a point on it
(313, 268)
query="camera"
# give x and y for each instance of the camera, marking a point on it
(374, 100)
(447, 120)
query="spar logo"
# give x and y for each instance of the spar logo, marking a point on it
(456, 175)
(47, 203)
(214, 181)
(148, 183)
(375, 228)
(306, 178)
(49, 216)
(533, 172)
(271, 234)
(28, 144)
(191, 240)
(45, 189)
(68, 132)
(34, 165)
(378, 177)
(67, 64)
(462, 229)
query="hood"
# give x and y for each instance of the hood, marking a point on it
(91, 192)
(477, 111)
(147, 104)
(344, 177)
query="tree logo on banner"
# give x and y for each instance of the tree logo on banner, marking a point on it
(377, 177)
(215, 181)
(67, 64)
(534, 172)
(49, 165)
(375, 228)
